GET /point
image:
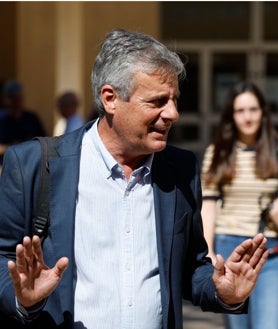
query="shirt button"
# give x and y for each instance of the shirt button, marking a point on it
(127, 230)
(129, 303)
(128, 267)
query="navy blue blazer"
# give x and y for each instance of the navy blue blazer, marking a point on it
(184, 270)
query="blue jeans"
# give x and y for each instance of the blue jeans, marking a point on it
(263, 302)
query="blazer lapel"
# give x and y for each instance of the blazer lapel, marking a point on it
(64, 173)
(164, 200)
(62, 206)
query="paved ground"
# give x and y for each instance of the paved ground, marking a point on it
(194, 318)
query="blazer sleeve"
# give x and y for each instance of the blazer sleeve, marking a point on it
(19, 179)
(201, 285)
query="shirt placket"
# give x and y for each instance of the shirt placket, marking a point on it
(128, 258)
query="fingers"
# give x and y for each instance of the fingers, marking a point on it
(240, 251)
(37, 249)
(32, 280)
(253, 254)
(247, 248)
(28, 250)
(235, 279)
(13, 272)
(260, 262)
(28, 253)
(258, 251)
(27, 258)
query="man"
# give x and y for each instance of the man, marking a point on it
(125, 241)
(67, 105)
(17, 123)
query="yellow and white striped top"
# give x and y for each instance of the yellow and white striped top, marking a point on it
(239, 213)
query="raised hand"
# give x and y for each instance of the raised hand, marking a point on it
(236, 278)
(32, 279)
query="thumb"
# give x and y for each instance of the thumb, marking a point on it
(61, 266)
(219, 268)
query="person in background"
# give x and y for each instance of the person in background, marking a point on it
(3, 113)
(239, 185)
(68, 104)
(17, 123)
(125, 242)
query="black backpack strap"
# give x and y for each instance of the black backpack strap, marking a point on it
(41, 216)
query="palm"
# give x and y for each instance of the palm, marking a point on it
(33, 281)
(235, 279)
(236, 283)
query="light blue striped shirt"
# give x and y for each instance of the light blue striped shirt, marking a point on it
(115, 244)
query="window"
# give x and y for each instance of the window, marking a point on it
(205, 20)
(227, 70)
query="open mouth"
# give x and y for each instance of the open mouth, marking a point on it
(159, 130)
(159, 134)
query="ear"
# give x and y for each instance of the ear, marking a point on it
(108, 96)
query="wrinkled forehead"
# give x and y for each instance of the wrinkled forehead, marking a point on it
(157, 82)
(164, 75)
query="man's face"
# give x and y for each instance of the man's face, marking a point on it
(15, 100)
(142, 123)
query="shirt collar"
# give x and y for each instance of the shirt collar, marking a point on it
(114, 169)
(243, 147)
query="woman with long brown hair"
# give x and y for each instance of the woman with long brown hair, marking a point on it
(239, 181)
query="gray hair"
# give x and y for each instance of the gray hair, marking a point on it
(122, 55)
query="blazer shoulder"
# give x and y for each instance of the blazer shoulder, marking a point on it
(181, 158)
(29, 150)
(175, 165)
(180, 151)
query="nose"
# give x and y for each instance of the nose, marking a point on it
(170, 112)
(247, 115)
